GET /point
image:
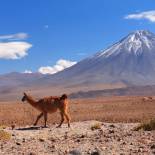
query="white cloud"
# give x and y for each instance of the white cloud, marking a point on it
(27, 71)
(59, 66)
(13, 50)
(17, 36)
(149, 15)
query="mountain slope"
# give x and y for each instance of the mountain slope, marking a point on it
(130, 61)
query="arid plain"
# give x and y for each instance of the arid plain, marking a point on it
(107, 109)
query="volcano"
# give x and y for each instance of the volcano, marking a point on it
(130, 61)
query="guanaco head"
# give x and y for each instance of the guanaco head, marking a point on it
(24, 97)
(63, 97)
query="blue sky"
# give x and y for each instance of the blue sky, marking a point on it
(58, 33)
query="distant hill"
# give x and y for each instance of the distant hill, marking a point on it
(129, 91)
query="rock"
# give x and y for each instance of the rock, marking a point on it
(111, 131)
(97, 138)
(75, 152)
(23, 140)
(118, 139)
(52, 140)
(41, 139)
(123, 143)
(112, 126)
(101, 131)
(153, 146)
(129, 134)
(106, 140)
(95, 153)
(53, 147)
(32, 153)
(78, 140)
(139, 150)
(17, 143)
(66, 135)
(82, 136)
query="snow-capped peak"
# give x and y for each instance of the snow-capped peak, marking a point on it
(136, 39)
(136, 42)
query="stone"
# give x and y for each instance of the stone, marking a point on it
(82, 136)
(95, 153)
(75, 152)
(32, 153)
(17, 143)
(111, 131)
(78, 140)
(112, 126)
(153, 146)
(24, 140)
(41, 139)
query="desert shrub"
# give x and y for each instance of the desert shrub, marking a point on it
(96, 126)
(4, 136)
(147, 126)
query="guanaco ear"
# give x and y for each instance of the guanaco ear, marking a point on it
(63, 97)
(24, 94)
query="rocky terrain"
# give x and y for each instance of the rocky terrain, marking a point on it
(88, 137)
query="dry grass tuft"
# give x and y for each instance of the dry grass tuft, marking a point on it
(149, 126)
(4, 136)
(96, 126)
(3, 126)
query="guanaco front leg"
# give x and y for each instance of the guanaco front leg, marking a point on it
(39, 116)
(62, 119)
(67, 118)
(45, 119)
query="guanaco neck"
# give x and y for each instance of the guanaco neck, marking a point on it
(31, 101)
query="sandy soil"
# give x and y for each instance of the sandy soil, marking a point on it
(80, 139)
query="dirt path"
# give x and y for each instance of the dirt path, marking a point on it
(80, 139)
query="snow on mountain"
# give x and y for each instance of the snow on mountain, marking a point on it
(136, 42)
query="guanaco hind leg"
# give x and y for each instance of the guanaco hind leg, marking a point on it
(38, 117)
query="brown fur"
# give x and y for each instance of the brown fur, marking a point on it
(49, 105)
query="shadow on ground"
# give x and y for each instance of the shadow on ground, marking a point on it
(30, 128)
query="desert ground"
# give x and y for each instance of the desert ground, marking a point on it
(99, 126)
(123, 109)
